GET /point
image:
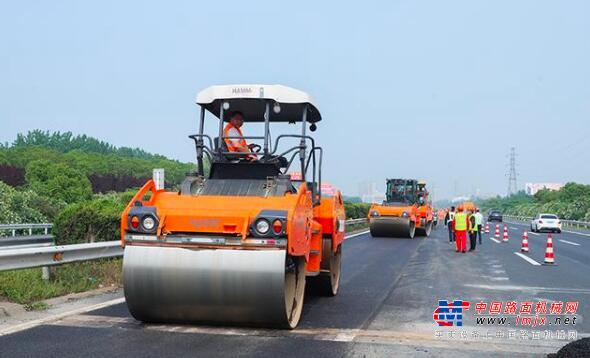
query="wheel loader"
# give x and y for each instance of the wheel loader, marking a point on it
(404, 213)
(235, 244)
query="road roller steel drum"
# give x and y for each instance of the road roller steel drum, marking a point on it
(392, 227)
(170, 284)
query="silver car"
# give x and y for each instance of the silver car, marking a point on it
(546, 222)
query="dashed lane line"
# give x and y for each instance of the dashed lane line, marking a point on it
(527, 259)
(496, 278)
(494, 240)
(357, 234)
(569, 242)
(534, 233)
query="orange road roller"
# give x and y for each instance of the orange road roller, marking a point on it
(404, 213)
(236, 242)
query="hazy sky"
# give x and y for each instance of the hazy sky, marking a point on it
(437, 90)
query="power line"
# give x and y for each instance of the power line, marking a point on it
(512, 187)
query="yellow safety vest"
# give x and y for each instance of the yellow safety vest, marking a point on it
(460, 221)
(472, 227)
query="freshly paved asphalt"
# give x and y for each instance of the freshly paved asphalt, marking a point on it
(388, 292)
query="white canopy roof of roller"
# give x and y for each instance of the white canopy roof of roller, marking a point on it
(250, 100)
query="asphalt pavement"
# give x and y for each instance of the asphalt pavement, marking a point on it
(389, 290)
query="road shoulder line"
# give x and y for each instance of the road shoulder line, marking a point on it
(575, 232)
(56, 317)
(356, 234)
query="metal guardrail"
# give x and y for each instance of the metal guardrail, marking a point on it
(355, 221)
(26, 226)
(13, 242)
(57, 255)
(25, 235)
(22, 236)
(577, 224)
(29, 257)
(568, 223)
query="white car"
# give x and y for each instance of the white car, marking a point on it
(547, 222)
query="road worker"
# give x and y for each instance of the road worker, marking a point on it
(479, 223)
(236, 141)
(459, 225)
(472, 228)
(448, 222)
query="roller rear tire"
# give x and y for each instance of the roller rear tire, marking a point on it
(426, 230)
(327, 282)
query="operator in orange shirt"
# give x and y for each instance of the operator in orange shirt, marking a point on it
(236, 142)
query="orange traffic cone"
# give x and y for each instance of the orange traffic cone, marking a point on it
(505, 236)
(497, 232)
(487, 230)
(525, 242)
(549, 258)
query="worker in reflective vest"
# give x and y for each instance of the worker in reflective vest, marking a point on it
(233, 137)
(449, 223)
(473, 229)
(460, 228)
(479, 222)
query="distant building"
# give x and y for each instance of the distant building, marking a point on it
(533, 188)
(369, 193)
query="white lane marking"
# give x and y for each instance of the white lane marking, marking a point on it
(569, 242)
(420, 336)
(494, 240)
(568, 231)
(498, 272)
(527, 259)
(575, 232)
(56, 317)
(344, 337)
(533, 233)
(514, 228)
(357, 234)
(529, 288)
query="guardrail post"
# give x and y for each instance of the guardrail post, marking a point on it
(45, 274)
